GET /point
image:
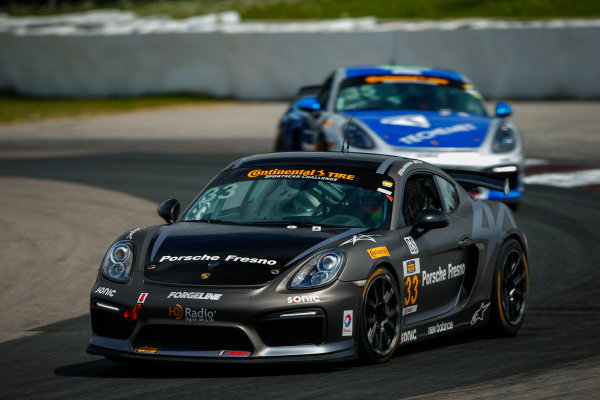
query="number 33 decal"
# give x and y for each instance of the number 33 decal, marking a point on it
(221, 193)
(412, 290)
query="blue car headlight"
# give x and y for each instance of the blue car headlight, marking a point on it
(357, 137)
(118, 262)
(504, 140)
(320, 270)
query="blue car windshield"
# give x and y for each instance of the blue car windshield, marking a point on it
(304, 198)
(428, 95)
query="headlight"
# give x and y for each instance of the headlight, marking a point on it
(320, 270)
(118, 261)
(357, 137)
(504, 141)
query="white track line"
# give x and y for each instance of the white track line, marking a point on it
(566, 179)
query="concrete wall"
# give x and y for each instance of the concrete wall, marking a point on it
(523, 63)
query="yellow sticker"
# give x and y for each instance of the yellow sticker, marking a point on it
(389, 78)
(147, 349)
(378, 252)
(387, 184)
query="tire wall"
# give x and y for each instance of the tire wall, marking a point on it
(518, 63)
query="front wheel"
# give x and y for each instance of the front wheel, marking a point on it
(381, 317)
(510, 291)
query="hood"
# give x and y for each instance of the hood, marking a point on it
(199, 253)
(414, 129)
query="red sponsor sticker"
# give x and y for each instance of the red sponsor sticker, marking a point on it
(142, 297)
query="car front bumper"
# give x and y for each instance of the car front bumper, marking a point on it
(264, 324)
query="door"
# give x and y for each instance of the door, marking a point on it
(435, 266)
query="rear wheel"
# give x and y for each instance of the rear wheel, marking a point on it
(511, 290)
(381, 317)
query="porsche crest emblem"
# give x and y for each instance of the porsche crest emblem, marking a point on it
(205, 275)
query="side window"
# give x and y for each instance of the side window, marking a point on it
(420, 193)
(448, 192)
(323, 95)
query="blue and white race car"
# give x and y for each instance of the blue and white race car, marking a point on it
(430, 114)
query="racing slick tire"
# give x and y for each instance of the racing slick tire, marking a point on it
(381, 317)
(510, 290)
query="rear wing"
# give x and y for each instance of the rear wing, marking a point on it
(473, 179)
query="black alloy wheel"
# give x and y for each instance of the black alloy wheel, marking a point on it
(511, 289)
(381, 317)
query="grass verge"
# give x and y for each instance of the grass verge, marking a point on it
(15, 108)
(317, 9)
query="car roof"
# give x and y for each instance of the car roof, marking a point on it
(376, 162)
(364, 70)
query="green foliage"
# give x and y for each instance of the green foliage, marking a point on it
(319, 9)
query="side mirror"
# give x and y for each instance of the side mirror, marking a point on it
(429, 219)
(503, 109)
(310, 104)
(169, 210)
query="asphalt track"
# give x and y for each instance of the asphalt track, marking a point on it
(66, 198)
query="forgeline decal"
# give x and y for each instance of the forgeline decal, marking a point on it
(426, 135)
(191, 315)
(408, 336)
(358, 238)
(347, 323)
(301, 173)
(195, 295)
(384, 191)
(409, 310)
(408, 164)
(411, 267)
(412, 246)
(303, 299)
(416, 120)
(147, 349)
(453, 271)
(378, 252)
(142, 298)
(480, 313)
(207, 257)
(106, 291)
(440, 327)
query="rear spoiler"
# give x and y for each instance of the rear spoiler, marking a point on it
(472, 179)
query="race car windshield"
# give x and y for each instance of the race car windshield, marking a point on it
(298, 200)
(396, 94)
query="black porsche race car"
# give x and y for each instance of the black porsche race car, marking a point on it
(312, 256)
